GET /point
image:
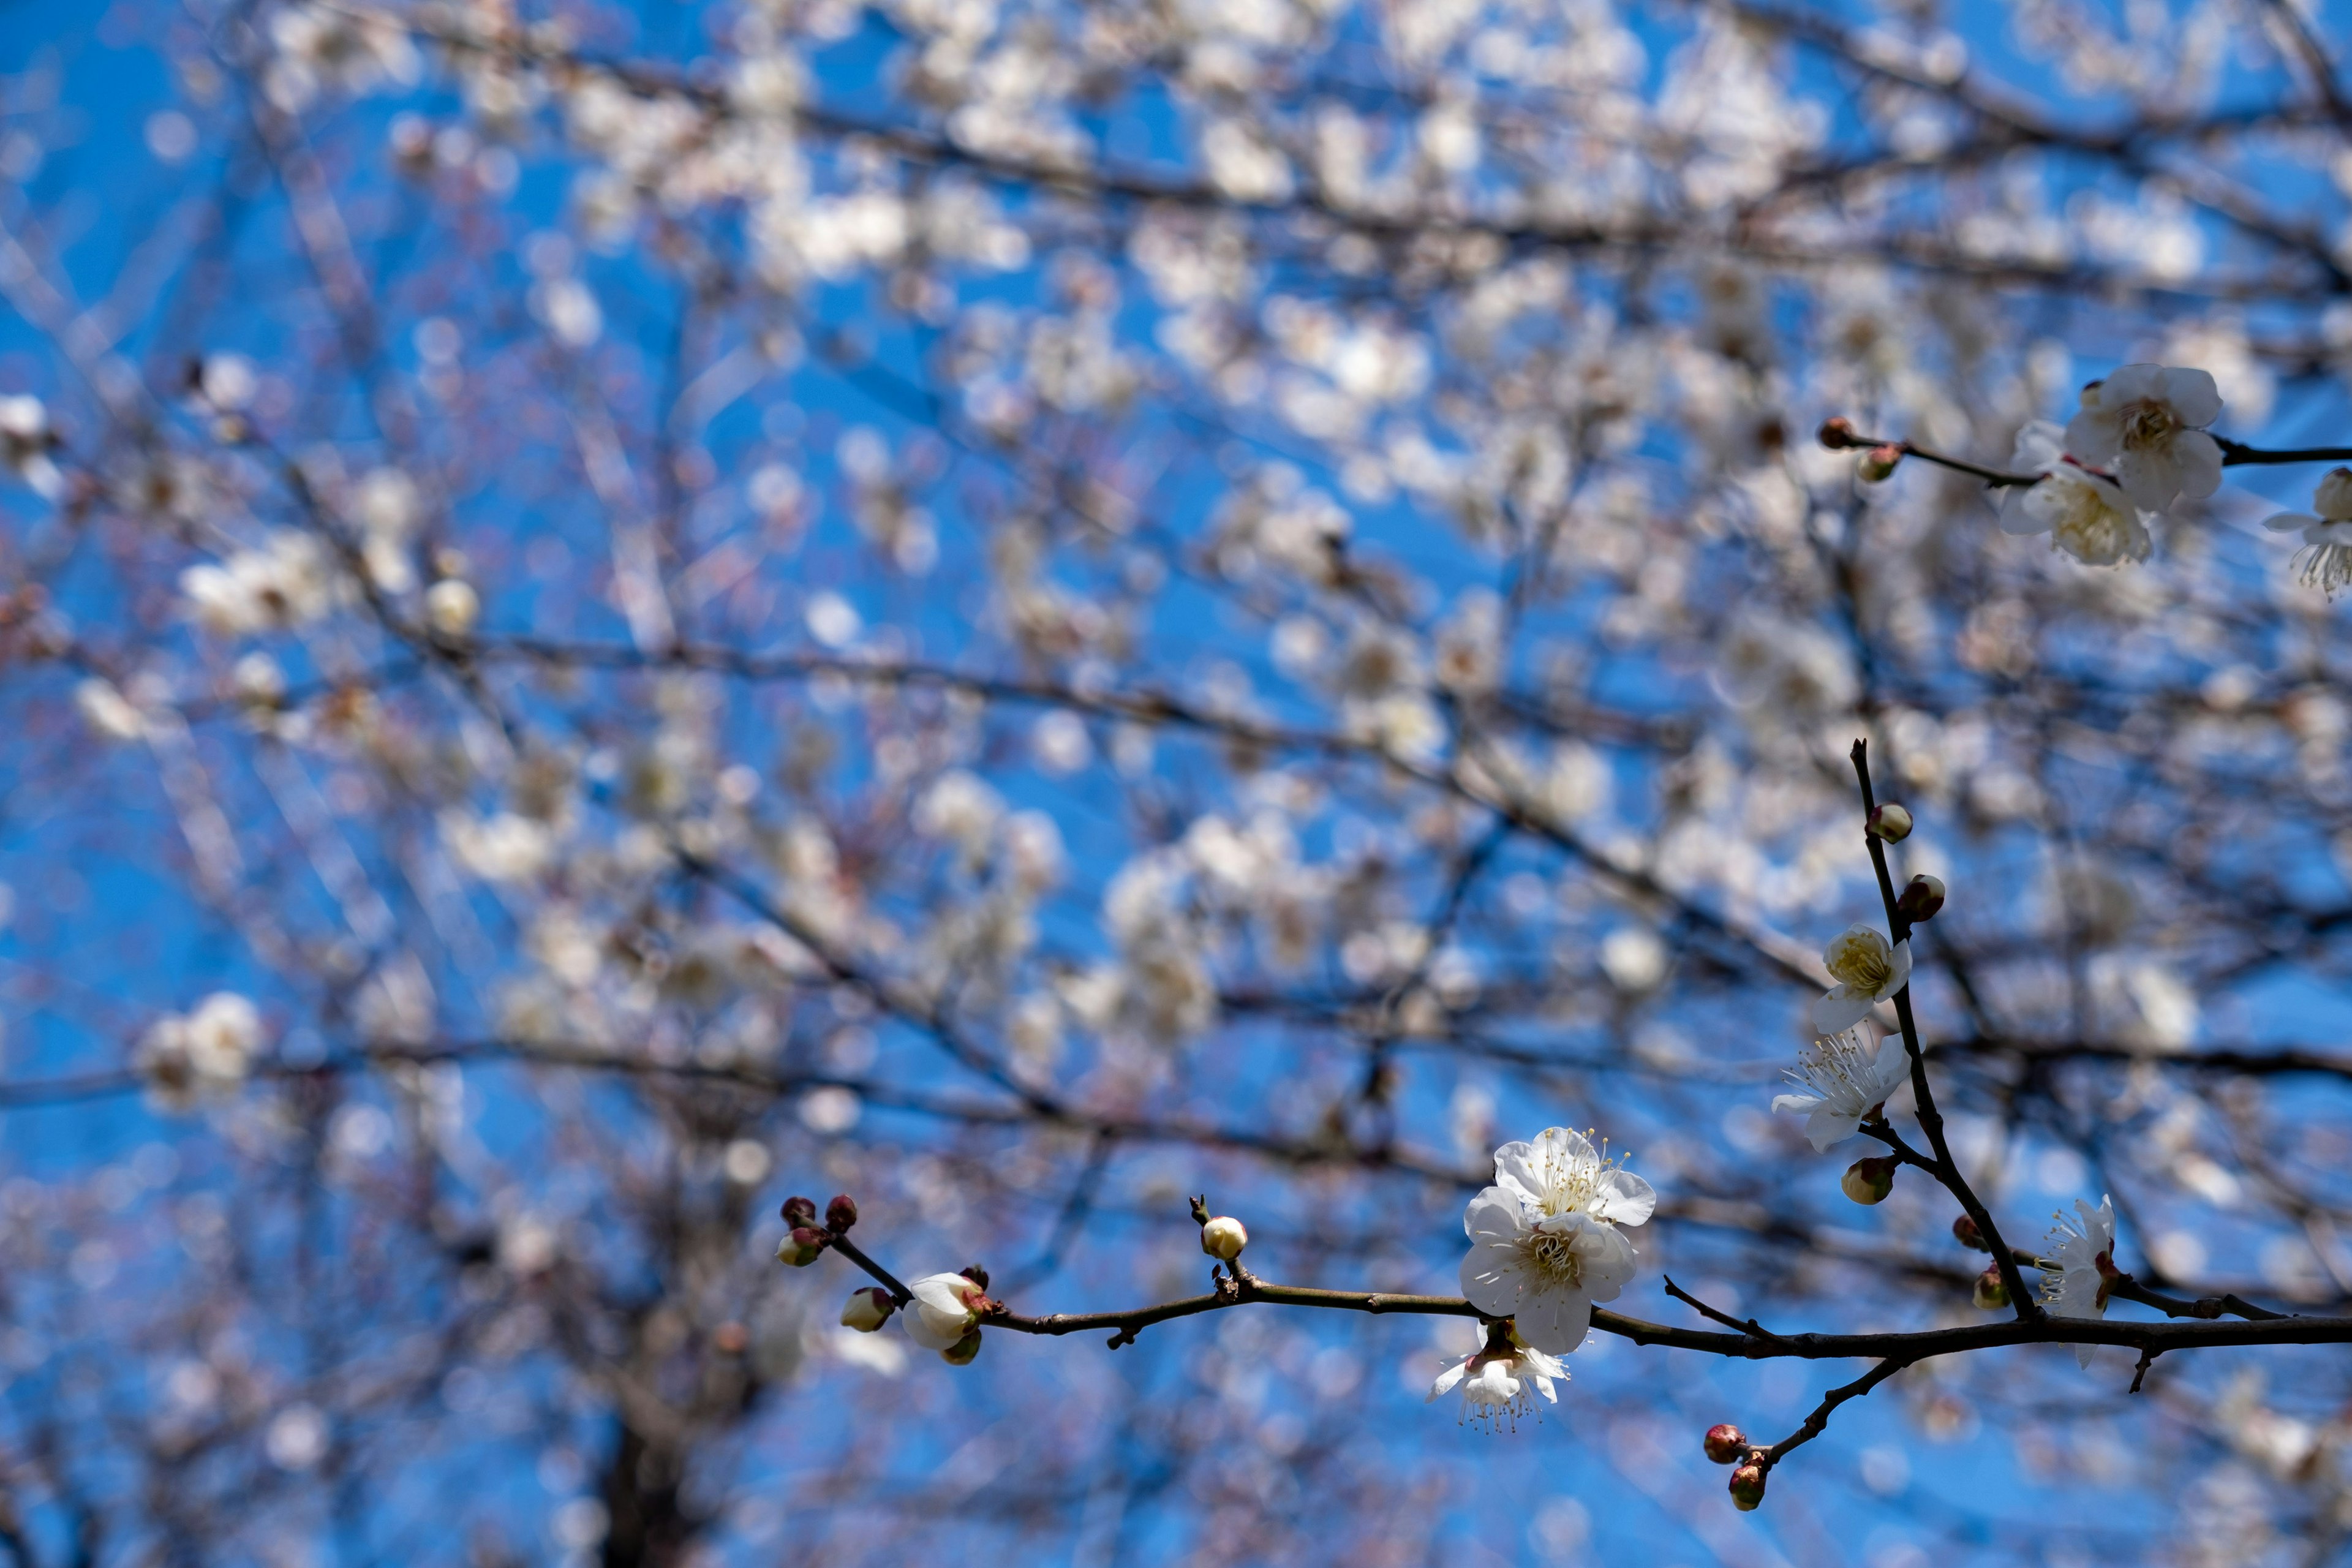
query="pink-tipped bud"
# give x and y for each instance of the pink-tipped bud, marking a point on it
(1837, 435)
(840, 1214)
(1223, 1237)
(1748, 1486)
(1922, 896)
(803, 1247)
(1726, 1444)
(1965, 1232)
(868, 1310)
(964, 1350)
(1992, 1290)
(798, 1212)
(1878, 464)
(1890, 822)
(1868, 1180)
(976, 1274)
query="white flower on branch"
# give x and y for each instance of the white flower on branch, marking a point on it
(1846, 1081)
(1496, 1385)
(1544, 1239)
(1866, 970)
(2085, 513)
(2326, 556)
(207, 1051)
(2144, 424)
(943, 1309)
(2080, 1266)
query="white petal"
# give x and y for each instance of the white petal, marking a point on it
(2290, 523)
(2199, 458)
(1901, 964)
(1840, 1010)
(2091, 436)
(2017, 516)
(1795, 1101)
(2133, 384)
(2040, 443)
(1825, 1127)
(1555, 1322)
(1447, 1378)
(1625, 1199)
(1495, 1216)
(1493, 1279)
(2082, 1354)
(2193, 396)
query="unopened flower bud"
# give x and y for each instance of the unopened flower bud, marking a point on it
(802, 1247)
(453, 606)
(800, 1211)
(840, 1214)
(1868, 1180)
(1922, 896)
(1877, 464)
(1965, 1232)
(1748, 1486)
(962, 1352)
(1837, 435)
(976, 1274)
(868, 1310)
(1223, 1237)
(1890, 822)
(1726, 1444)
(1991, 1290)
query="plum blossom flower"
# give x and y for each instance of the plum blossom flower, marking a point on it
(2086, 512)
(1544, 1239)
(944, 1308)
(2326, 556)
(2144, 424)
(207, 1051)
(1495, 1383)
(2079, 1266)
(1846, 1080)
(1866, 970)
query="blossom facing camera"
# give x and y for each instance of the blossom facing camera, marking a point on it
(1867, 970)
(1991, 1290)
(1921, 897)
(1544, 1239)
(2085, 513)
(1748, 1486)
(1868, 1182)
(803, 1247)
(2079, 1266)
(944, 1309)
(2326, 556)
(2146, 425)
(1726, 1444)
(868, 1309)
(1844, 1081)
(840, 1214)
(1877, 465)
(1890, 822)
(1223, 1237)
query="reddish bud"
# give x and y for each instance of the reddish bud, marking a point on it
(1837, 435)
(1748, 1486)
(1726, 1444)
(1868, 1180)
(1922, 896)
(1878, 464)
(802, 1247)
(799, 1212)
(840, 1214)
(1965, 1232)
(1991, 1290)
(976, 1274)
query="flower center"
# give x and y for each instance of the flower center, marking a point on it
(2090, 528)
(1862, 965)
(2149, 425)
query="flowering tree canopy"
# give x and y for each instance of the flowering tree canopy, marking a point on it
(1637, 681)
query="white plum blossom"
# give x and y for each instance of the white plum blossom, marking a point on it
(2085, 513)
(2080, 1266)
(1495, 1384)
(1866, 970)
(2326, 556)
(2146, 424)
(943, 1309)
(208, 1050)
(1544, 1239)
(1845, 1081)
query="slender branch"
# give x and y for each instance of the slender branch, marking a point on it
(1818, 1422)
(2235, 453)
(1746, 1326)
(1931, 1120)
(1839, 436)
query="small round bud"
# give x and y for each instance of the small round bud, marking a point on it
(1877, 464)
(1748, 1486)
(964, 1350)
(801, 1248)
(976, 1274)
(730, 1338)
(453, 606)
(1890, 822)
(1921, 897)
(840, 1214)
(1726, 1444)
(1965, 1232)
(1223, 1237)
(1868, 1180)
(868, 1310)
(800, 1211)
(1991, 1292)
(1837, 435)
